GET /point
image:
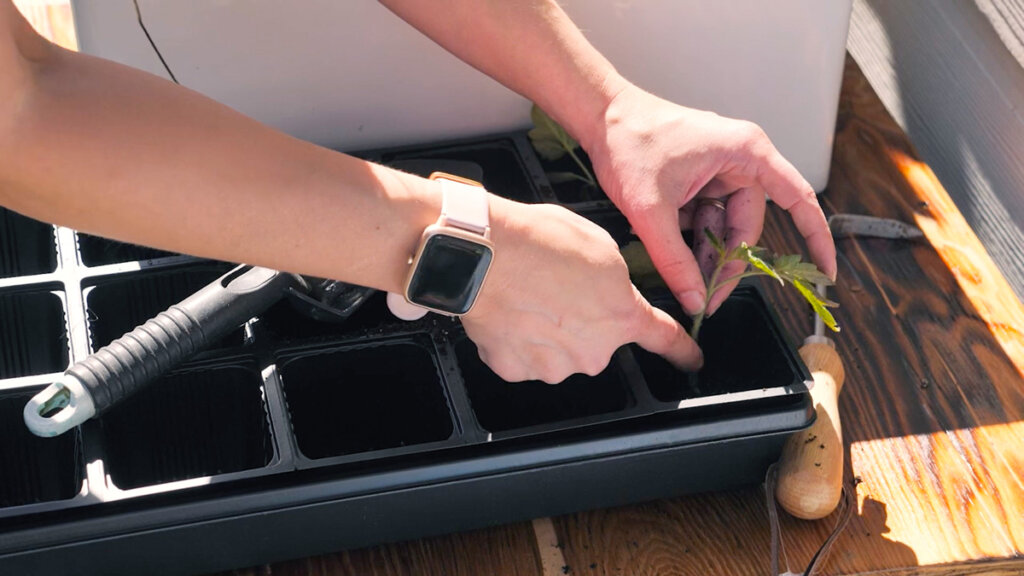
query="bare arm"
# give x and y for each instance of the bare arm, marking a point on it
(108, 149)
(103, 148)
(652, 157)
(530, 46)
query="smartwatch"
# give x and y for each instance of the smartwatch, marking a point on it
(450, 265)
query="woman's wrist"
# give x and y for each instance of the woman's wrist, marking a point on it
(589, 124)
(412, 203)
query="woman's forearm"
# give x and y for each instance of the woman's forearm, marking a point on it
(108, 149)
(530, 46)
(103, 148)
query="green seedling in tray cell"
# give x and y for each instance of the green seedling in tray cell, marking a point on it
(804, 276)
(552, 143)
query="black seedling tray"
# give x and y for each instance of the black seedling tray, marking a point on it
(292, 437)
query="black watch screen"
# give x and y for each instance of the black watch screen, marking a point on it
(449, 273)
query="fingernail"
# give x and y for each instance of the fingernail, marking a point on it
(692, 301)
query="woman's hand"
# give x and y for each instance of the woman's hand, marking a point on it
(558, 300)
(657, 161)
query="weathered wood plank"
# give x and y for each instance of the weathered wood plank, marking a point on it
(956, 90)
(506, 550)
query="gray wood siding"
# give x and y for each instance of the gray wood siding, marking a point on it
(943, 72)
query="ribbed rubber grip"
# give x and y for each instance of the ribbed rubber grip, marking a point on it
(143, 355)
(122, 367)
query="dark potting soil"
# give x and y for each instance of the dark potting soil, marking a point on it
(362, 399)
(501, 406)
(741, 353)
(166, 432)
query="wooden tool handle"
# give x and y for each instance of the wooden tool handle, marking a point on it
(811, 466)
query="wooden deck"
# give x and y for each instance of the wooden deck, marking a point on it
(933, 409)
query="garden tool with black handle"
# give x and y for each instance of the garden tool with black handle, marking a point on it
(133, 361)
(141, 356)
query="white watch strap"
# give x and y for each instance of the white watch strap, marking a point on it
(464, 206)
(403, 309)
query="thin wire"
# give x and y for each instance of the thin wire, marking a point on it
(846, 512)
(847, 504)
(776, 543)
(142, 25)
(773, 518)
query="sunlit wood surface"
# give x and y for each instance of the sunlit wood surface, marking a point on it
(933, 408)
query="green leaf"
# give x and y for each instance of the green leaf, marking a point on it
(791, 267)
(715, 241)
(546, 146)
(755, 256)
(549, 139)
(787, 261)
(819, 305)
(759, 252)
(641, 269)
(638, 261)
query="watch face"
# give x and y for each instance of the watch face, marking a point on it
(449, 273)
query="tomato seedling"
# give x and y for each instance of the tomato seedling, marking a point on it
(552, 142)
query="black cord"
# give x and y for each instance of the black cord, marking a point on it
(151, 43)
(847, 504)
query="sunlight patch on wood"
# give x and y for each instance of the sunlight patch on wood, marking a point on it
(962, 251)
(972, 492)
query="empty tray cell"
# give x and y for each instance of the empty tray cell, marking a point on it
(188, 425)
(117, 306)
(368, 398)
(501, 406)
(97, 251)
(33, 334)
(503, 170)
(290, 320)
(741, 349)
(26, 246)
(34, 469)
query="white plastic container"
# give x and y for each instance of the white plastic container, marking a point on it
(350, 75)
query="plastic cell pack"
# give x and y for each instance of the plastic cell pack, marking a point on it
(312, 435)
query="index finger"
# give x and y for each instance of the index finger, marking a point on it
(659, 232)
(656, 331)
(787, 188)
